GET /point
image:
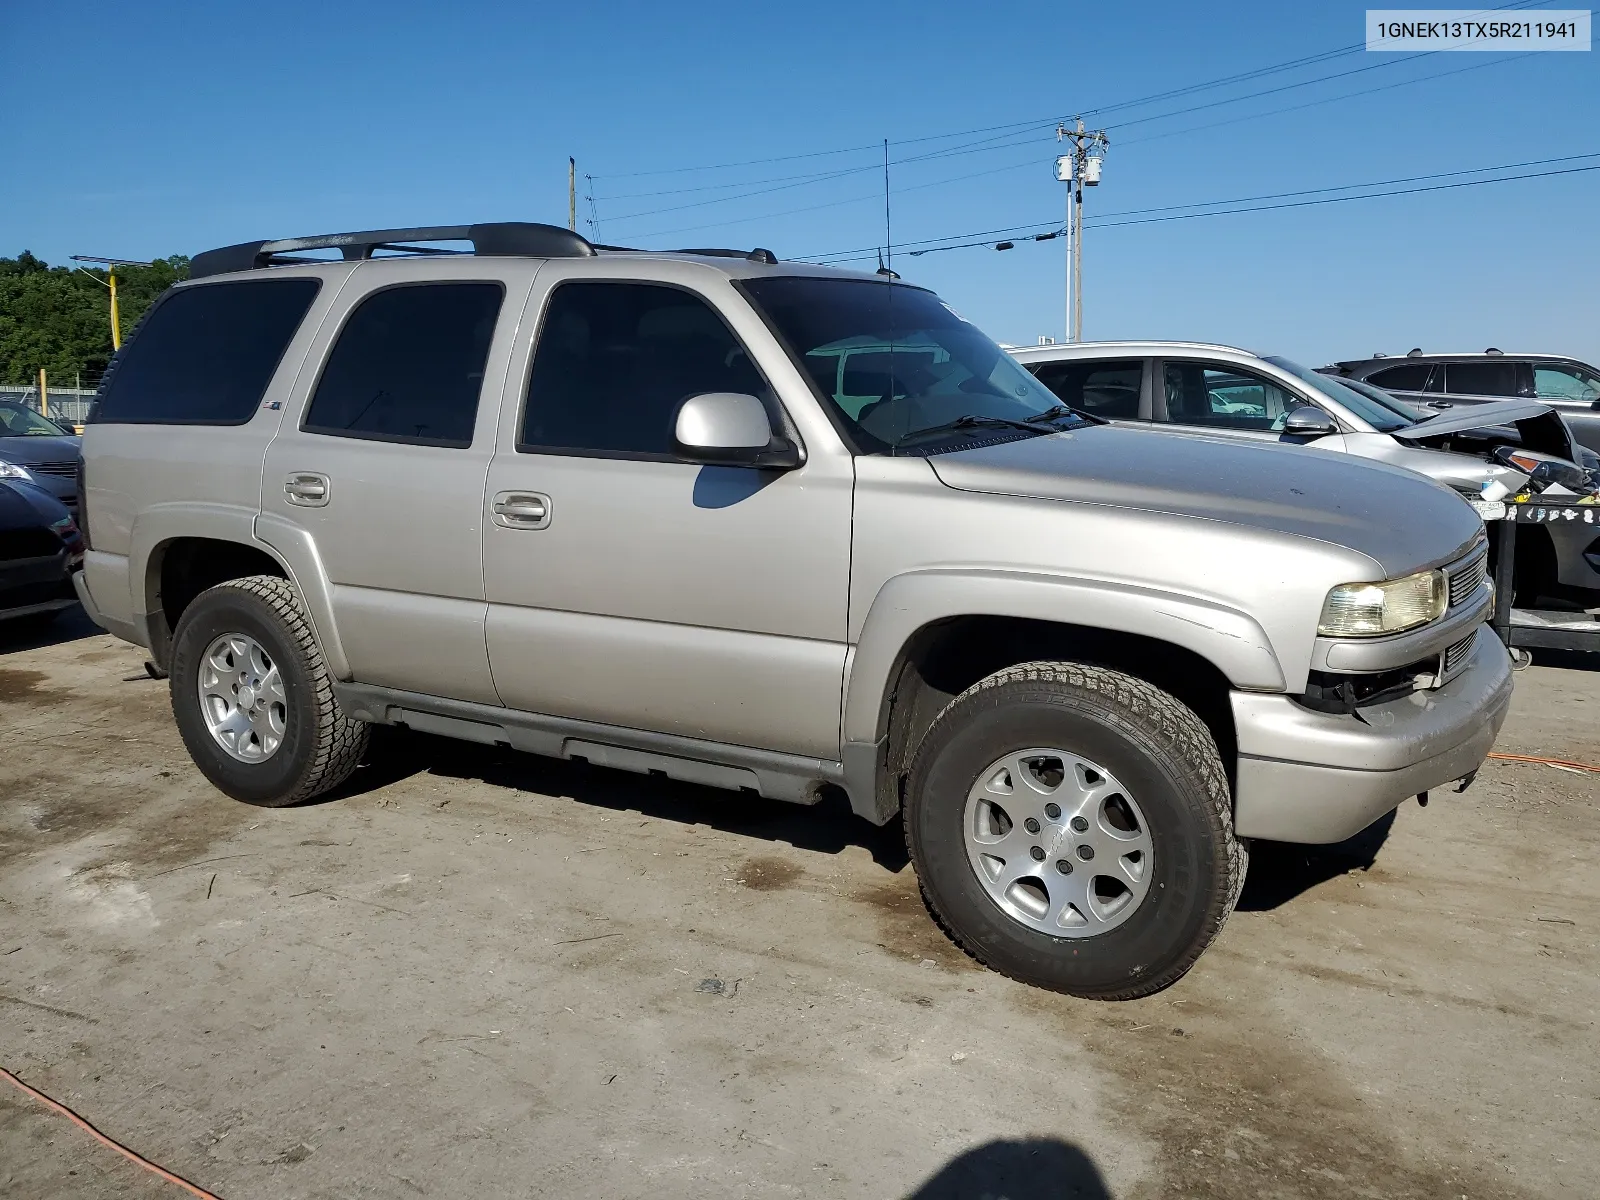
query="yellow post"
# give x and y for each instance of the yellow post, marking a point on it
(44, 395)
(116, 328)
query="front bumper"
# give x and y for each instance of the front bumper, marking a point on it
(34, 585)
(1306, 776)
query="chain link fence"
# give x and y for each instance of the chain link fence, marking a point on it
(65, 406)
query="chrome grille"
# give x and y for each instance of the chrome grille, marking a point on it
(1465, 577)
(1456, 655)
(67, 468)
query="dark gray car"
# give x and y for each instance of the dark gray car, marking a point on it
(1442, 381)
(34, 449)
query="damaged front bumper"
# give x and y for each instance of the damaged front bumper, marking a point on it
(1317, 777)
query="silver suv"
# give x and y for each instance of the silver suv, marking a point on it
(775, 528)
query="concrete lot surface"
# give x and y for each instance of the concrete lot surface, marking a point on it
(473, 973)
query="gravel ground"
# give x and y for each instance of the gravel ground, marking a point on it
(477, 973)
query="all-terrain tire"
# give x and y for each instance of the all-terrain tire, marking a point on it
(1157, 748)
(321, 746)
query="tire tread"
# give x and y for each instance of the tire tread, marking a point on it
(340, 741)
(1174, 724)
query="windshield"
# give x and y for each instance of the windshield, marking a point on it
(19, 421)
(1380, 416)
(1393, 403)
(899, 367)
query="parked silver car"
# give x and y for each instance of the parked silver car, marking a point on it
(1224, 392)
(776, 528)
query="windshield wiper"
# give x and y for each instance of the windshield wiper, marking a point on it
(1066, 410)
(971, 421)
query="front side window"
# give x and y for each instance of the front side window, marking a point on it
(616, 360)
(1413, 377)
(1481, 378)
(204, 355)
(17, 420)
(1222, 397)
(1103, 389)
(408, 366)
(899, 370)
(1383, 413)
(1566, 383)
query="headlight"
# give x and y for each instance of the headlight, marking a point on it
(12, 471)
(1370, 609)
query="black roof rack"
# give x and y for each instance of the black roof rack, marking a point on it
(500, 238)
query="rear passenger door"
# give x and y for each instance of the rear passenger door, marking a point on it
(1117, 389)
(380, 464)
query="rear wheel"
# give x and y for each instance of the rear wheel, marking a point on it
(1071, 827)
(253, 698)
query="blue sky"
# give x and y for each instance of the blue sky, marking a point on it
(142, 130)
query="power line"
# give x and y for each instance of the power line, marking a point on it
(976, 148)
(1172, 93)
(854, 254)
(987, 237)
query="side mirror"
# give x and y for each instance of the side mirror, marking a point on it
(1308, 421)
(732, 429)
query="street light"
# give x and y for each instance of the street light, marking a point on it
(111, 265)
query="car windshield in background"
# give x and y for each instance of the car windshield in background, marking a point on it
(16, 420)
(1380, 416)
(900, 368)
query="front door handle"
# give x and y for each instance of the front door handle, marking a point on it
(522, 510)
(309, 489)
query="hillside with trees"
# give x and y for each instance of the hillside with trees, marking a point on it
(59, 318)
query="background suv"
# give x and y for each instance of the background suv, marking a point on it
(1440, 381)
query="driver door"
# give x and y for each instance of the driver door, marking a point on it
(1227, 401)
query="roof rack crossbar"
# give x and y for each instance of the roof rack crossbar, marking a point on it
(501, 238)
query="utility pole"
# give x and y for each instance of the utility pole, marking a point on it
(1078, 170)
(572, 193)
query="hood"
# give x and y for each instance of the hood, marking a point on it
(25, 450)
(23, 506)
(1397, 518)
(1473, 416)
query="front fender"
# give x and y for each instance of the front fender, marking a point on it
(1230, 640)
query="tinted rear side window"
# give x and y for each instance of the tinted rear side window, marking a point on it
(408, 366)
(1106, 389)
(1481, 379)
(205, 355)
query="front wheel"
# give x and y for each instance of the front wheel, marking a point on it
(1071, 828)
(253, 698)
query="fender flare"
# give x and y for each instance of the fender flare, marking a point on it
(291, 548)
(1231, 640)
(297, 550)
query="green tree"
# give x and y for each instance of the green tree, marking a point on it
(59, 318)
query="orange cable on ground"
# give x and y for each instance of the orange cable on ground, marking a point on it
(1547, 762)
(105, 1141)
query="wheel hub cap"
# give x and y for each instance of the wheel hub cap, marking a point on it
(1057, 842)
(242, 698)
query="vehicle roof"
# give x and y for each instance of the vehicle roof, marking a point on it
(1090, 349)
(1454, 356)
(424, 266)
(525, 241)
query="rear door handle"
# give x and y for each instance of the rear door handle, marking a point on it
(521, 510)
(309, 489)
